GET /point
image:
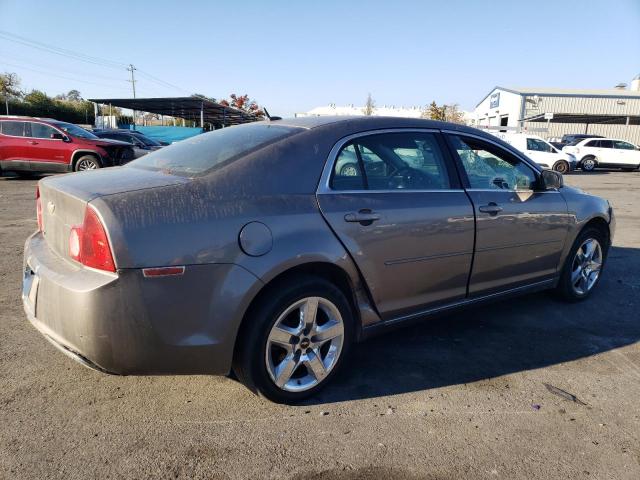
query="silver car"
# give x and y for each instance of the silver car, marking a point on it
(252, 248)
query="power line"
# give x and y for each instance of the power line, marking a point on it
(61, 76)
(84, 58)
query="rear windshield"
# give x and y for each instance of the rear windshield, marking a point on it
(199, 154)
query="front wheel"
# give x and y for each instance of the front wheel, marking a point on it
(87, 162)
(293, 343)
(583, 266)
(588, 164)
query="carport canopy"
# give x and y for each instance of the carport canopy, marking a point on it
(189, 108)
(587, 118)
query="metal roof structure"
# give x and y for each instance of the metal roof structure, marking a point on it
(189, 108)
(567, 92)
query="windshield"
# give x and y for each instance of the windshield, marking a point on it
(149, 142)
(75, 131)
(199, 154)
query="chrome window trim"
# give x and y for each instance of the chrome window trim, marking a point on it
(325, 179)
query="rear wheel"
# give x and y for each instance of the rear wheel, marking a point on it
(87, 162)
(583, 267)
(295, 340)
(588, 164)
(561, 166)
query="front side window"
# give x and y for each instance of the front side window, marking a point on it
(538, 145)
(40, 130)
(606, 144)
(592, 143)
(391, 161)
(489, 167)
(620, 145)
(14, 129)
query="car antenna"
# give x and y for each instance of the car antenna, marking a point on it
(269, 117)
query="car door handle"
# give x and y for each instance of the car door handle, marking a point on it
(364, 216)
(32, 142)
(492, 208)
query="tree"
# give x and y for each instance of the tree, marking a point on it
(244, 103)
(370, 106)
(10, 87)
(444, 113)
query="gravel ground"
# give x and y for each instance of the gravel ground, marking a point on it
(469, 395)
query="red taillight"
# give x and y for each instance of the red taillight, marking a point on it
(89, 244)
(39, 210)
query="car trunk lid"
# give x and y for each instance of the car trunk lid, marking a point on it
(64, 198)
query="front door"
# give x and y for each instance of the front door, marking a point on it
(520, 230)
(396, 204)
(46, 154)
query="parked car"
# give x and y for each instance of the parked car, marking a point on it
(573, 138)
(29, 145)
(140, 144)
(540, 151)
(248, 248)
(600, 152)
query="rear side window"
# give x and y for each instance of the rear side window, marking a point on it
(15, 129)
(606, 144)
(391, 161)
(538, 145)
(199, 154)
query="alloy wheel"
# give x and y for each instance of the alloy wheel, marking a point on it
(586, 266)
(86, 165)
(588, 164)
(304, 344)
(561, 167)
(349, 171)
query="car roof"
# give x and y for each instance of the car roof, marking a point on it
(367, 122)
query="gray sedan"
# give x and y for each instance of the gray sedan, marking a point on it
(253, 249)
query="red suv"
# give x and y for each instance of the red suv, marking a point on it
(29, 145)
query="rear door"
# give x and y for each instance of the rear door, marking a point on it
(394, 200)
(520, 231)
(13, 152)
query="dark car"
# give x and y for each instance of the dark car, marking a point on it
(253, 248)
(141, 144)
(29, 145)
(573, 138)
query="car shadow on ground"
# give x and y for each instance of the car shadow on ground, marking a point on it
(524, 333)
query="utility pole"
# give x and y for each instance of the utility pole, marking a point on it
(131, 68)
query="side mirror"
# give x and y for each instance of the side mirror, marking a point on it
(551, 180)
(56, 136)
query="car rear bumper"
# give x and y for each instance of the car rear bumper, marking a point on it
(125, 323)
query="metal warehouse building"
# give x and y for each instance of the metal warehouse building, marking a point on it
(552, 112)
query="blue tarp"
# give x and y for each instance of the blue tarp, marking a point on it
(168, 134)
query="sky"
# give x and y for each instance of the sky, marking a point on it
(292, 56)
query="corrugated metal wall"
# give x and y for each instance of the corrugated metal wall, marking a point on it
(584, 106)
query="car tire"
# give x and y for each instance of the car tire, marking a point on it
(349, 170)
(562, 167)
(284, 358)
(579, 276)
(588, 164)
(87, 162)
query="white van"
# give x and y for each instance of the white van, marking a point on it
(540, 151)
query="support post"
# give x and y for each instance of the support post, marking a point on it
(201, 114)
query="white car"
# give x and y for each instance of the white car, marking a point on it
(540, 151)
(606, 153)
